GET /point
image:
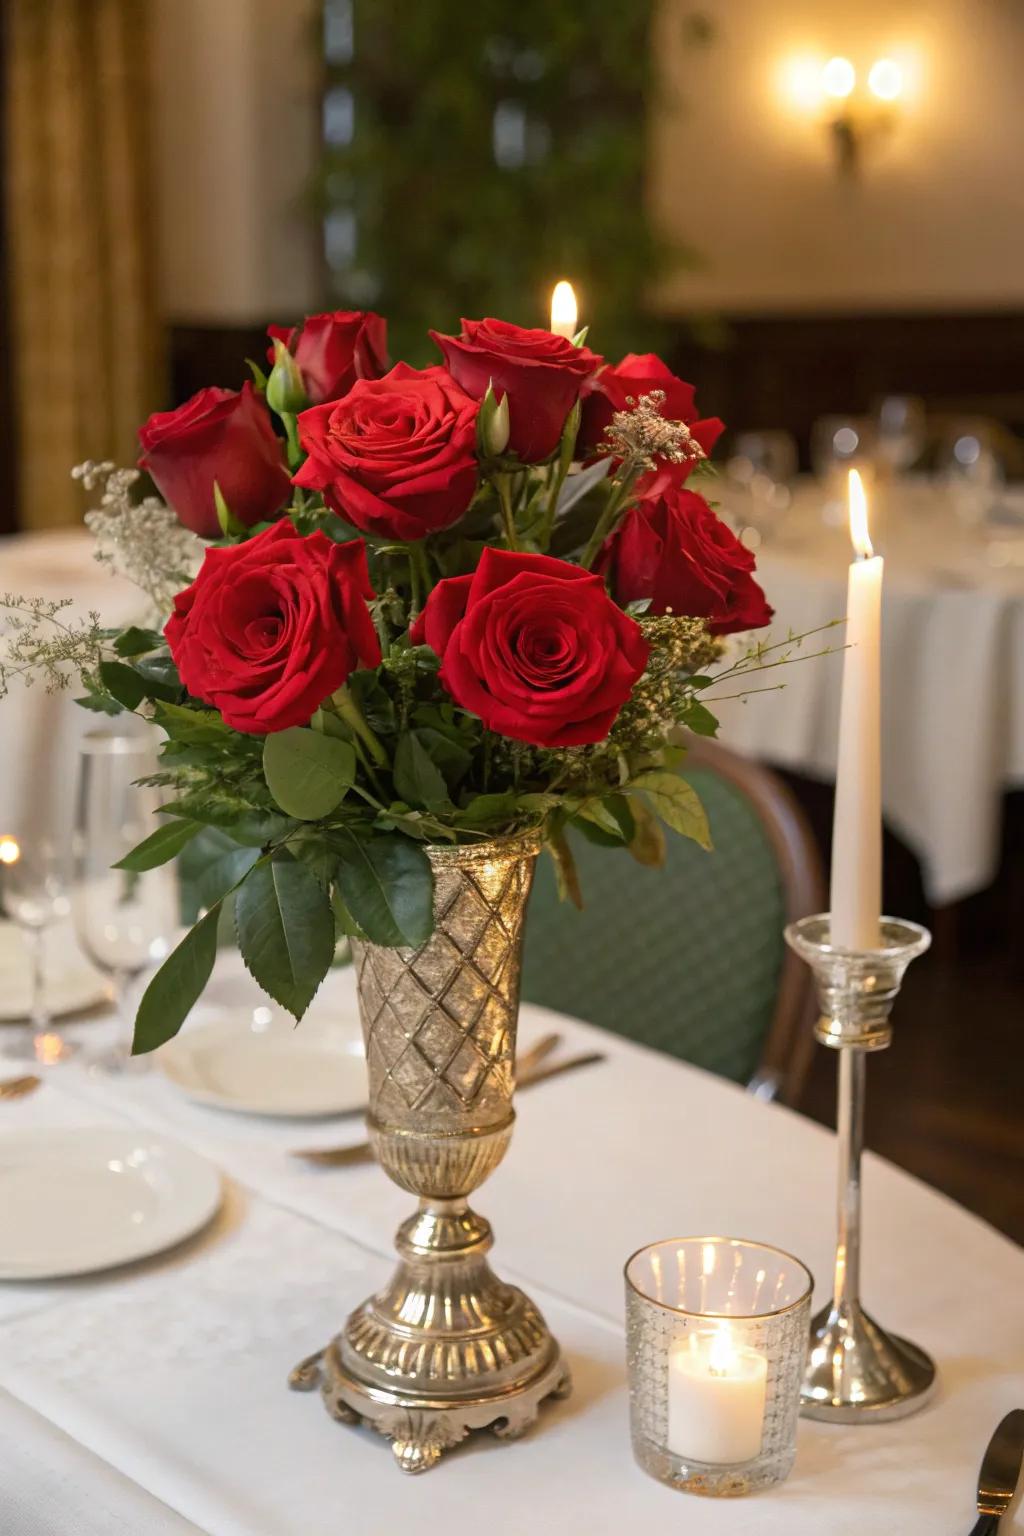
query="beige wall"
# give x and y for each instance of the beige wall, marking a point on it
(235, 136)
(937, 220)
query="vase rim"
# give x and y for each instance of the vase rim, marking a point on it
(518, 844)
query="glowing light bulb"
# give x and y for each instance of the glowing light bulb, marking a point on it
(838, 77)
(859, 536)
(885, 80)
(563, 310)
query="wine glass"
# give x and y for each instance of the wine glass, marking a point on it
(760, 469)
(838, 444)
(900, 432)
(971, 469)
(126, 922)
(33, 894)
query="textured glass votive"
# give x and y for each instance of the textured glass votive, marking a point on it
(716, 1341)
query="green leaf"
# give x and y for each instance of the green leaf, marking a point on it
(285, 931)
(676, 802)
(566, 874)
(483, 810)
(160, 677)
(699, 719)
(123, 683)
(647, 844)
(259, 377)
(198, 726)
(308, 774)
(177, 985)
(417, 779)
(136, 642)
(159, 846)
(230, 526)
(214, 863)
(388, 887)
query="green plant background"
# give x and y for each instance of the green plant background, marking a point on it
(441, 229)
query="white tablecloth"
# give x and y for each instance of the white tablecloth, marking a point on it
(159, 1390)
(953, 673)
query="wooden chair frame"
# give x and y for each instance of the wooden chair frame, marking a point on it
(789, 1043)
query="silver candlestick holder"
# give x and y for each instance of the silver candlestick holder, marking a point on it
(857, 1373)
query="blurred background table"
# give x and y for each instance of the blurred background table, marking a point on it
(953, 645)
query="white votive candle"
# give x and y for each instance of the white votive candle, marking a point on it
(716, 1397)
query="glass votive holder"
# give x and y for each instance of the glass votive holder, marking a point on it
(716, 1338)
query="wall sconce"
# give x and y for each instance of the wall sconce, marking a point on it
(855, 116)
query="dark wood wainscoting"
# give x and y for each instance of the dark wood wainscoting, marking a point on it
(779, 371)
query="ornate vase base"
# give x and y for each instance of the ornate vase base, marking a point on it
(859, 1374)
(421, 1429)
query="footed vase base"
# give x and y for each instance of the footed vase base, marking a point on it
(422, 1428)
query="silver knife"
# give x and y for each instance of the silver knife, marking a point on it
(1000, 1471)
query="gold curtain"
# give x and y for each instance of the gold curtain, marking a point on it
(84, 334)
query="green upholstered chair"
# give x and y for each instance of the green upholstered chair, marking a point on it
(690, 959)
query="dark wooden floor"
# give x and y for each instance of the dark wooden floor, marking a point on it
(946, 1100)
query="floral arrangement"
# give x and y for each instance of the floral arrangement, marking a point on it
(394, 607)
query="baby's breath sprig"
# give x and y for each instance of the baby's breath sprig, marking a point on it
(42, 642)
(641, 435)
(140, 540)
(638, 437)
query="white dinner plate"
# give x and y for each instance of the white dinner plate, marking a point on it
(73, 1201)
(263, 1063)
(71, 984)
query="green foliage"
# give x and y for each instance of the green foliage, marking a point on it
(177, 986)
(160, 846)
(285, 930)
(308, 774)
(387, 886)
(518, 133)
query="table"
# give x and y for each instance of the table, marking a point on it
(953, 670)
(152, 1400)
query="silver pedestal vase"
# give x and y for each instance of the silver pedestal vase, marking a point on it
(857, 1373)
(445, 1347)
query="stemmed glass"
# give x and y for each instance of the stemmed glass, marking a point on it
(126, 922)
(33, 893)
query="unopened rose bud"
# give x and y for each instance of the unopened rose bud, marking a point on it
(286, 393)
(493, 423)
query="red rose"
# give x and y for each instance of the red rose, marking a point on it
(397, 456)
(675, 551)
(533, 646)
(541, 374)
(636, 376)
(270, 628)
(335, 350)
(222, 435)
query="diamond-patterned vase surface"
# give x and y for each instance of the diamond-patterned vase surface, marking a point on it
(439, 1022)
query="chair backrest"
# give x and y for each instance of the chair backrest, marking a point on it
(691, 958)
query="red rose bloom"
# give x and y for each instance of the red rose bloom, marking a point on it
(637, 375)
(222, 435)
(335, 350)
(270, 628)
(541, 374)
(533, 646)
(397, 456)
(675, 551)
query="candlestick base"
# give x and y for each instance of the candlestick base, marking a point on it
(857, 1372)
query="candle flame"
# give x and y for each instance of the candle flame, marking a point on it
(10, 853)
(563, 309)
(858, 516)
(721, 1352)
